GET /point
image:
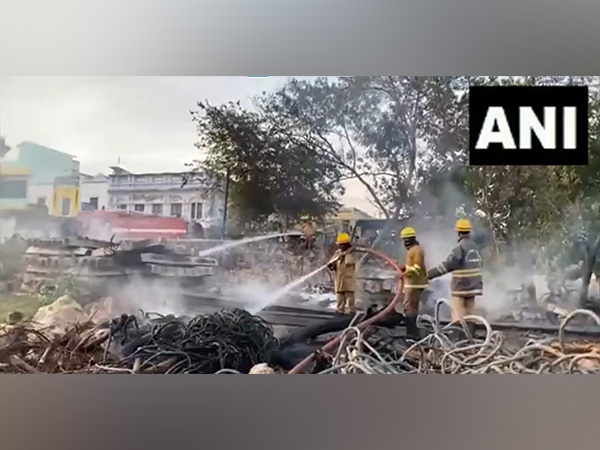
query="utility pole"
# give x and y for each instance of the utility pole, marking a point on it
(224, 231)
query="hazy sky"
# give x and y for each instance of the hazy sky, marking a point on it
(144, 121)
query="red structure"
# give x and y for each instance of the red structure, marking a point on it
(129, 226)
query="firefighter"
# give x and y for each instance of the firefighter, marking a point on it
(415, 280)
(465, 265)
(343, 264)
(309, 232)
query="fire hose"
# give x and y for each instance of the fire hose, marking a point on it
(331, 345)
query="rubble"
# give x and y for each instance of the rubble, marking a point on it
(95, 265)
(60, 316)
(72, 337)
(63, 339)
(453, 350)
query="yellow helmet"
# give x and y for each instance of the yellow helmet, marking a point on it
(343, 238)
(463, 226)
(408, 232)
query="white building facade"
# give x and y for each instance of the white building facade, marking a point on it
(94, 192)
(164, 194)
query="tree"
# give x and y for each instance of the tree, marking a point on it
(381, 131)
(531, 205)
(269, 174)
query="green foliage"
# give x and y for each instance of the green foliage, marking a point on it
(538, 203)
(67, 285)
(269, 172)
(404, 139)
(389, 133)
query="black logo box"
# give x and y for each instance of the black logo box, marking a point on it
(510, 98)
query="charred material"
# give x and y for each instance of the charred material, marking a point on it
(229, 339)
(451, 350)
(98, 264)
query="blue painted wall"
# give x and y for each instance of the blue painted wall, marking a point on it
(45, 163)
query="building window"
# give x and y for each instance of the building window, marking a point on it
(157, 209)
(176, 209)
(196, 211)
(13, 189)
(94, 202)
(139, 207)
(121, 206)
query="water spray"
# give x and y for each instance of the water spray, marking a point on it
(234, 244)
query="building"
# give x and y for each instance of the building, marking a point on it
(165, 194)
(53, 178)
(14, 187)
(94, 192)
(346, 217)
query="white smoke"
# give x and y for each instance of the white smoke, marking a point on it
(156, 296)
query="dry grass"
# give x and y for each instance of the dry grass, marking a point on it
(24, 303)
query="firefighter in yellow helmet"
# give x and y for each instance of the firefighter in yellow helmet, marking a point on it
(343, 264)
(415, 280)
(465, 265)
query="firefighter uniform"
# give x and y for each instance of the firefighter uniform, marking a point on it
(415, 281)
(309, 232)
(465, 265)
(415, 273)
(344, 265)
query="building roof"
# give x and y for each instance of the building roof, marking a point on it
(120, 171)
(98, 177)
(352, 209)
(43, 147)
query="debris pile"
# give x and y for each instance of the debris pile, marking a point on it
(60, 316)
(454, 350)
(94, 264)
(63, 339)
(25, 349)
(229, 339)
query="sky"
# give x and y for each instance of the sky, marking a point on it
(143, 122)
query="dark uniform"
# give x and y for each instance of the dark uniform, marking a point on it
(465, 265)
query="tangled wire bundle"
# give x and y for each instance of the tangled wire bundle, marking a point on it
(380, 351)
(232, 340)
(229, 339)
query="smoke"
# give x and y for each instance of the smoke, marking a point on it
(96, 228)
(149, 295)
(254, 294)
(8, 227)
(28, 229)
(437, 237)
(273, 273)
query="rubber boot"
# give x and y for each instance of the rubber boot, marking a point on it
(412, 331)
(472, 328)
